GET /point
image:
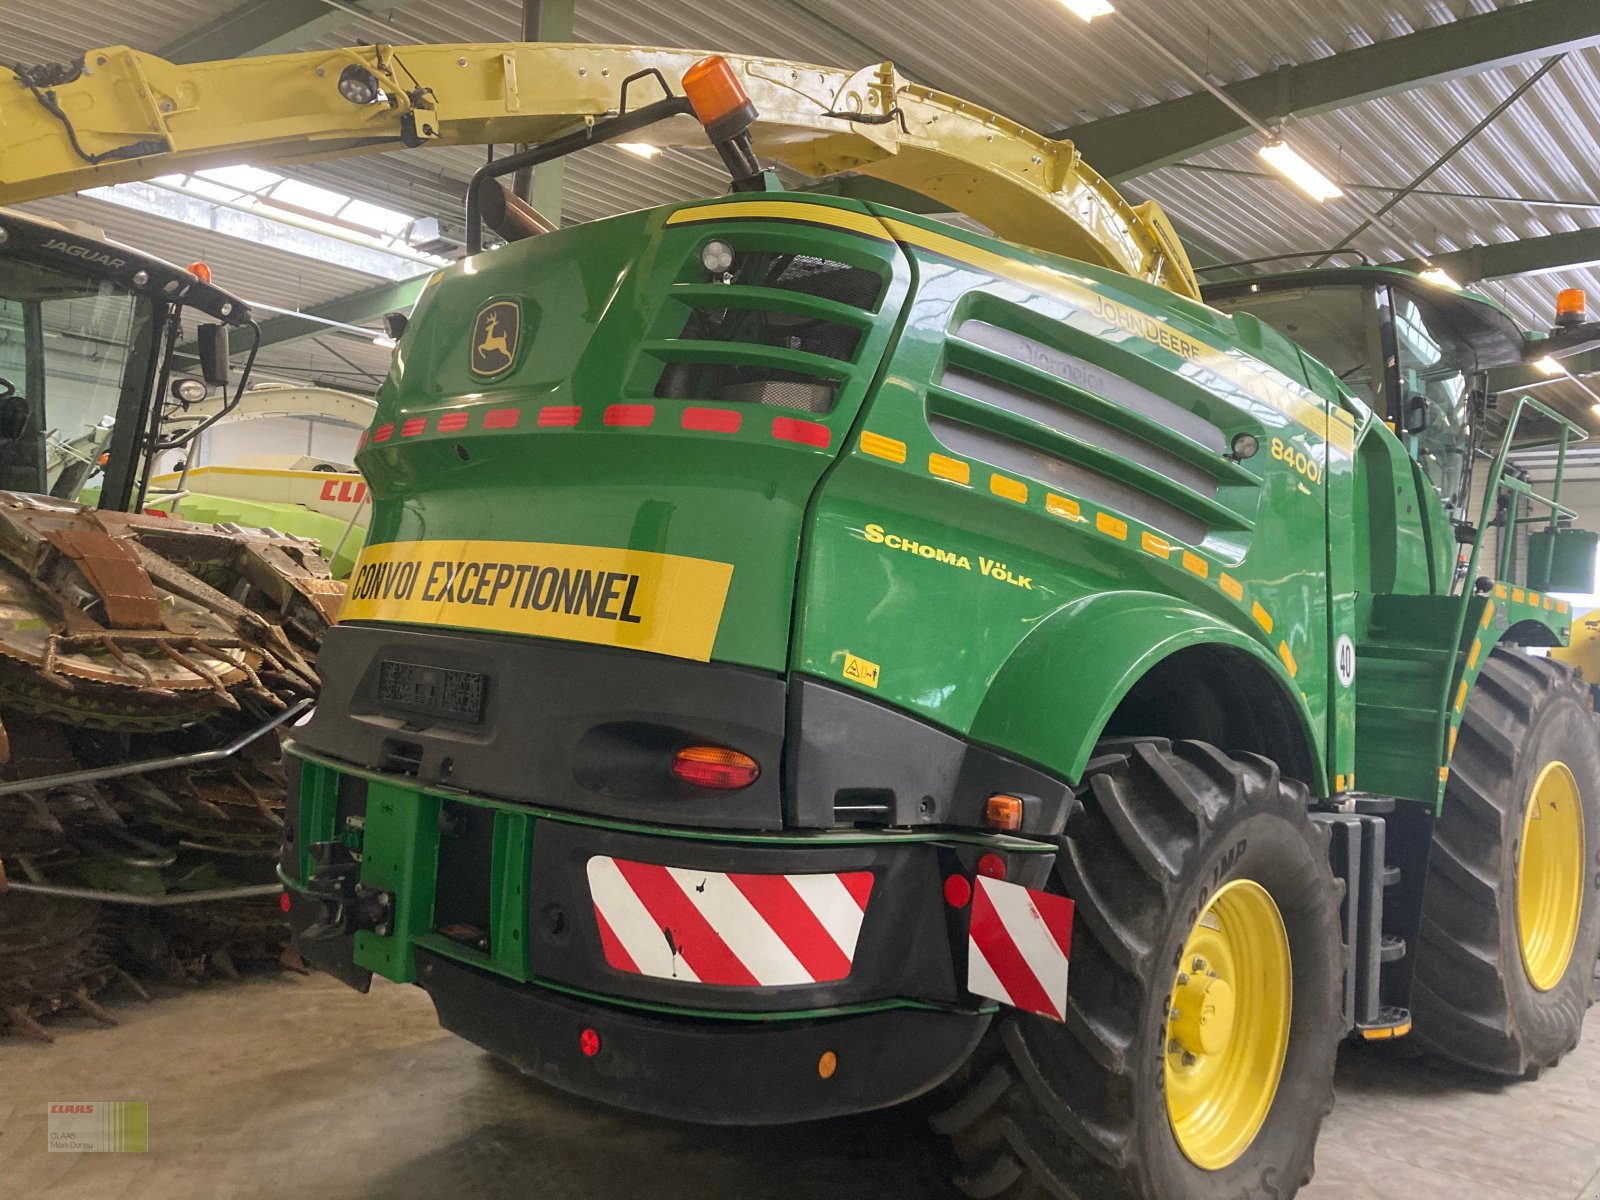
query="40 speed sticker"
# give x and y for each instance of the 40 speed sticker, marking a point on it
(665, 603)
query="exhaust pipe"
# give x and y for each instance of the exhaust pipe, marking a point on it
(509, 215)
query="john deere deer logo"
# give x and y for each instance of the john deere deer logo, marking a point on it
(494, 337)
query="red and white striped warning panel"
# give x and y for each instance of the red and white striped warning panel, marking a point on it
(737, 930)
(1017, 947)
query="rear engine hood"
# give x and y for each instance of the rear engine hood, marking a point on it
(592, 437)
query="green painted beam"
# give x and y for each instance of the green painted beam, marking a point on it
(354, 309)
(1525, 256)
(548, 21)
(1133, 143)
(270, 27)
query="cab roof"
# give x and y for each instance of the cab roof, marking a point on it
(1478, 320)
(80, 252)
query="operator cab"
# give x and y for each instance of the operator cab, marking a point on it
(1416, 353)
(88, 341)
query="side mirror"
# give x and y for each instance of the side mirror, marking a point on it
(1562, 560)
(1416, 414)
(212, 344)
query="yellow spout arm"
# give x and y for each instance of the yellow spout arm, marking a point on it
(128, 116)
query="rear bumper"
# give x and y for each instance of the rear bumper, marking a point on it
(591, 729)
(707, 1071)
(499, 912)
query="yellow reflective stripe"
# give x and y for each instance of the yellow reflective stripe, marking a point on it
(1008, 489)
(1106, 523)
(1472, 659)
(952, 469)
(1196, 565)
(1263, 618)
(1288, 658)
(1159, 546)
(1232, 587)
(879, 446)
(1061, 506)
(782, 210)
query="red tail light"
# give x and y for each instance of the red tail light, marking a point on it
(715, 767)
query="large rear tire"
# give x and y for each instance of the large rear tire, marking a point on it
(1205, 1005)
(1511, 908)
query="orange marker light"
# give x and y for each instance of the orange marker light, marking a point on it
(715, 767)
(1571, 306)
(1003, 811)
(719, 99)
(200, 271)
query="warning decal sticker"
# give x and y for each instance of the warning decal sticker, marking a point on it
(664, 603)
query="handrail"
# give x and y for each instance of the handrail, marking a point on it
(1496, 483)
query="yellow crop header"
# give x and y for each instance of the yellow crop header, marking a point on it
(123, 115)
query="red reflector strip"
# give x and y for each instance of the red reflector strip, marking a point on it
(362, 440)
(414, 426)
(630, 414)
(734, 930)
(559, 414)
(712, 420)
(502, 418)
(453, 422)
(1017, 947)
(383, 433)
(807, 433)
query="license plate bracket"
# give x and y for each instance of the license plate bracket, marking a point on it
(445, 692)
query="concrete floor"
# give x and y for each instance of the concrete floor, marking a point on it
(286, 1086)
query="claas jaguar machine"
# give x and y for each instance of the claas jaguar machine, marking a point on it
(809, 655)
(139, 654)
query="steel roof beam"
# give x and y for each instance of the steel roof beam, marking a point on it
(1508, 379)
(275, 27)
(1525, 256)
(354, 309)
(1157, 135)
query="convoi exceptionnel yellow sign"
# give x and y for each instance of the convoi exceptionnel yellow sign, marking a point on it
(665, 603)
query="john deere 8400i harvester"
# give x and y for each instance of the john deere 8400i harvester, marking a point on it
(794, 632)
(808, 655)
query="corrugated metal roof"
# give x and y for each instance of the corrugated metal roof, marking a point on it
(1036, 62)
(37, 31)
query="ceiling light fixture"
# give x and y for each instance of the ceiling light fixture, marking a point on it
(1439, 277)
(1287, 161)
(1548, 366)
(1088, 10)
(385, 342)
(642, 149)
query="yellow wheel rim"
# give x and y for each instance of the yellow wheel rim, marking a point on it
(1228, 1025)
(1550, 875)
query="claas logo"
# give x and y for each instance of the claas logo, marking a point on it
(494, 337)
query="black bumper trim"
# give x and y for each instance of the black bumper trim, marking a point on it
(712, 1072)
